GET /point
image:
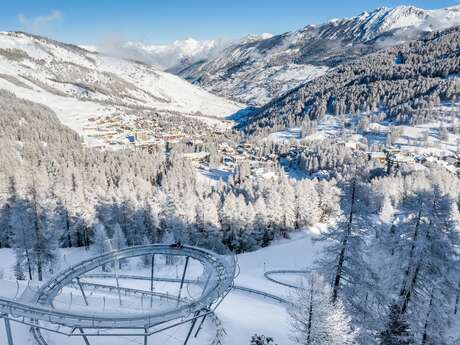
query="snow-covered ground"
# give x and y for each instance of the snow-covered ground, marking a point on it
(242, 314)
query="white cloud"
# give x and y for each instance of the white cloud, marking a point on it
(39, 23)
(163, 56)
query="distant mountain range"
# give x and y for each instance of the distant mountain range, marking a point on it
(255, 72)
(78, 84)
(259, 68)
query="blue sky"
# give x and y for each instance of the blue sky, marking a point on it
(163, 21)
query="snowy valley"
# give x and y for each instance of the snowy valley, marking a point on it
(290, 189)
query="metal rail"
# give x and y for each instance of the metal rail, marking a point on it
(190, 281)
(262, 293)
(137, 277)
(276, 281)
(126, 290)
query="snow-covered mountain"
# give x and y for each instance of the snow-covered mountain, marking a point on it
(370, 25)
(78, 84)
(257, 71)
(412, 83)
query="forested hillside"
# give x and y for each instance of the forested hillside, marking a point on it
(389, 251)
(55, 192)
(403, 84)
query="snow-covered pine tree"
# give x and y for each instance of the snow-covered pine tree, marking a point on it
(344, 259)
(245, 240)
(35, 223)
(7, 202)
(315, 319)
(22, 224)
(263, 234)
(151, 211)
(207, 221)
(426, 270)
(308, 204)
(36, 191)
(118, 241)
(100, 241)
(329, 202)
(228, 215)
(275, 209)
(288, 202)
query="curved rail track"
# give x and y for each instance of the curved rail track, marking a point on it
(35, 308)
(269, 274)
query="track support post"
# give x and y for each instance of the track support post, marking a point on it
(197, 314)
(85, 338)
(182, 280)
(117, 281)
(151, 272)
(82, 291)
(200, 325)
(9, 334)
(151, 279)
(146, 336)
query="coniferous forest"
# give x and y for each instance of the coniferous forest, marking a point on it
(391, 250)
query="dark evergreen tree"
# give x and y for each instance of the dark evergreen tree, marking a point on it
(397, 330)
(261, 340)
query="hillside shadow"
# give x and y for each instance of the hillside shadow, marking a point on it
(241, 116)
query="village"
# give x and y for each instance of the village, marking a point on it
(157, 132)
(144, 131)
(412, 147)
(147, 132)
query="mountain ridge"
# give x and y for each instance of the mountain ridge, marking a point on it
(257, 72)
(404, 84)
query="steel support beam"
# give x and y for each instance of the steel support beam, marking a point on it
(9, 334)
(85, 338)
(200, 325)
(191, 327)
(117, 281)
(182, 280)
(82, 291)
(146, 337)
(151, 272)
(151, 279)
